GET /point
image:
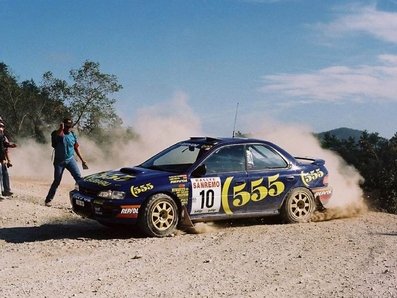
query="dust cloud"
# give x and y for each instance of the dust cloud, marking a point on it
(202, 228)
(157, 126)
(347, 198)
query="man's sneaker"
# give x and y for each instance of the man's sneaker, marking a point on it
(7, 193)
(47, 203)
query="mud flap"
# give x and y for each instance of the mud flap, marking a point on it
(185, 219)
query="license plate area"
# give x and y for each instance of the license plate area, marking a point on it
(80, 203)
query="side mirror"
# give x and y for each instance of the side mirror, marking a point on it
(199, 171)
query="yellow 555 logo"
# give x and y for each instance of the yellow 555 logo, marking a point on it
(311, 176)
(137, 190)
(258, 192)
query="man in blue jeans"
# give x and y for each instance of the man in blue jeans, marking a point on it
(5, 161)
(64, 141)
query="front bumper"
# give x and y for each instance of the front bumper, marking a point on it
(103, 210)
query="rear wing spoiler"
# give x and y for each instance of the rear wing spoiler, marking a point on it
(318, 162)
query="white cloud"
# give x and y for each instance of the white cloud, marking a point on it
(379, 24)
(361, 83)
(338, 83)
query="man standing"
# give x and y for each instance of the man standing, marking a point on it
(64, 141)
(5, 162)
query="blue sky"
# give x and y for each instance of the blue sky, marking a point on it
(324, 64)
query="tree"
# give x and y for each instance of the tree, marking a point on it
(87, 98)
(9, 95)
(24, 106)
(376, 160)
(330, 141)
(29, 110)
(388, 176)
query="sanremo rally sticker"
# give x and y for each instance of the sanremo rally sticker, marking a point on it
(206, 195)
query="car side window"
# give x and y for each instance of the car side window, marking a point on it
(226, 159)
(260, 157)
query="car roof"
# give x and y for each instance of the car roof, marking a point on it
(224, 141)
(237, 140)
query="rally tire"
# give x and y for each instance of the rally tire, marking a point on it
(299, 206)
(159, 216)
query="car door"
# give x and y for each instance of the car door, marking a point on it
(216, 192)
(269, 177)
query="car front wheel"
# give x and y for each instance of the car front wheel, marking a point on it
(299, 206)
(159, 216)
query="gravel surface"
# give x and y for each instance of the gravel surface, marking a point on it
(51, 252)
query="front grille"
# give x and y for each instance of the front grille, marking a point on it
(85, 210)
(88, 192)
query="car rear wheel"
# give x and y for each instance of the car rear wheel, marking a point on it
(159, 216)
(299, 206)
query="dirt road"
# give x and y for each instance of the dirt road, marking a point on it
(50, 252)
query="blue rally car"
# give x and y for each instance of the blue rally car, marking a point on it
(205, 179)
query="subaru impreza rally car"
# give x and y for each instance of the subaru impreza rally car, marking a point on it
(205, 179)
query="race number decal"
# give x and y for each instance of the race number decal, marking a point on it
(206, 195)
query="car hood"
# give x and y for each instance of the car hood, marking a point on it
(119, 178)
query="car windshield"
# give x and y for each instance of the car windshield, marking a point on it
(178, 158)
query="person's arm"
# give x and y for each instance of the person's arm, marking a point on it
(78, 152)
(60, 130)
(7, 159)
(7, 145)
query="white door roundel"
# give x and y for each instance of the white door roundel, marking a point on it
(206, 195)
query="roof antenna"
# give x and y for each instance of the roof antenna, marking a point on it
(235, 120)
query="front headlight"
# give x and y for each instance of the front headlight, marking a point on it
(112, 194)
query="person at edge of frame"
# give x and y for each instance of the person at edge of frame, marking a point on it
(5, 161)
(64, 142)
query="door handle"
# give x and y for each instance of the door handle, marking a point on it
(290, 178)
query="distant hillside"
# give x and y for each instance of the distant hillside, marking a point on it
(342, 133)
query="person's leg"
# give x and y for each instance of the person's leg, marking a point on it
(73, 168)
(6, 181)
(58, 172)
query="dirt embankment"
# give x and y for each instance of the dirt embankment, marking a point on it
(50, 252)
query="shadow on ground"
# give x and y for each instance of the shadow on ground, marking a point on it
(83, 230)
(66, 230)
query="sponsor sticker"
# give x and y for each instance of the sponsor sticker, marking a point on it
(137, 190)
(311, 176)
(182, 193)
(178, 179)
(129, 211)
